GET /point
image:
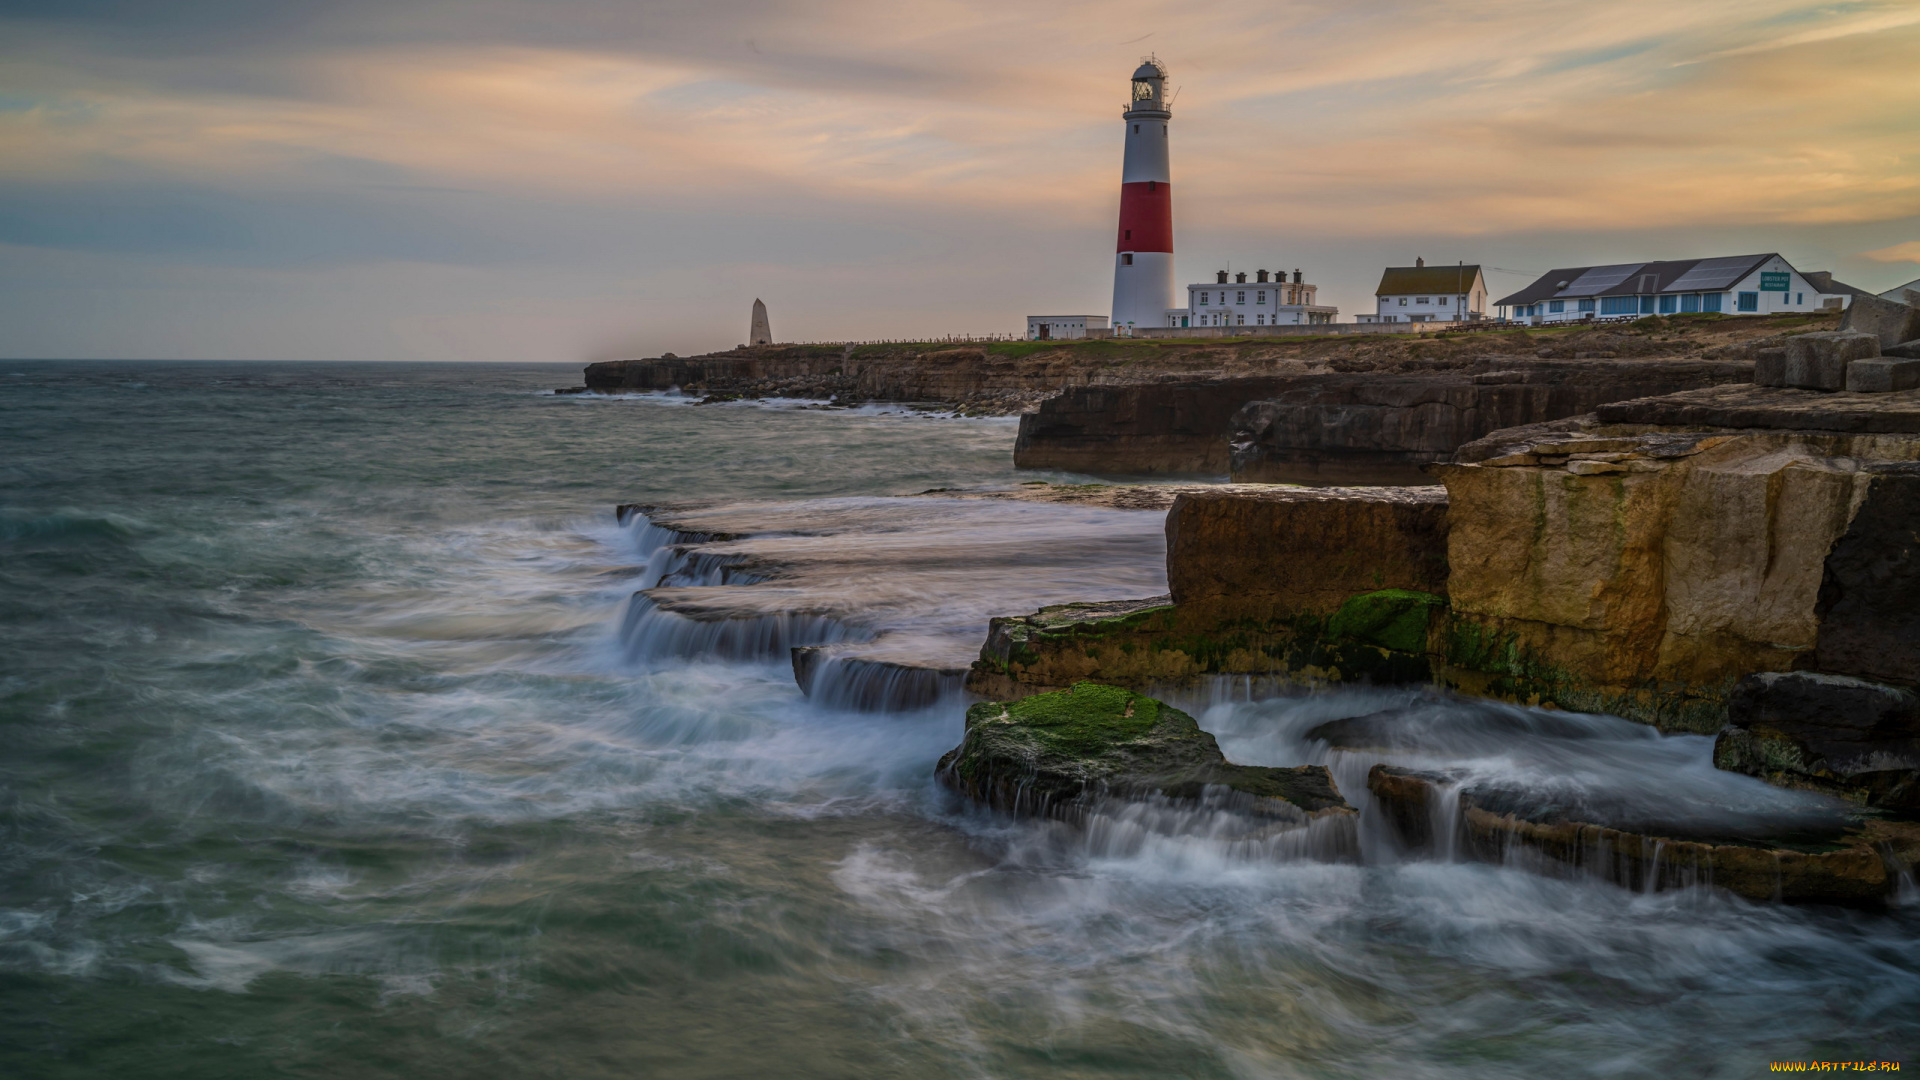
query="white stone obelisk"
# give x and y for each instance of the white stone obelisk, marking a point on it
(760, 333)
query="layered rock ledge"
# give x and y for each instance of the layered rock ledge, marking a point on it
(1375, 412)
(1858, 862)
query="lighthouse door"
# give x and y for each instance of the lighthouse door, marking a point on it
(1046, 331)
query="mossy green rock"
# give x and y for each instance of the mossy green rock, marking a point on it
(1394, 619)
(1045, 754)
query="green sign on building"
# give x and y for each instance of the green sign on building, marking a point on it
(1775, 282)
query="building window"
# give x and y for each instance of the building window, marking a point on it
(1259, 320)
(1203, 299)
(1443, 301)
(1422, 301)
(1668, 304)
(1243, 320)
(1646, 305)
(1586, 305)
(1749, 301)
(1690, 302)
(1619, 305)
(1403, 301)
(1260, 297)
(1239, 298)
(1126, 259)
(1555, 307)
(1799, 299)
(1710, 301)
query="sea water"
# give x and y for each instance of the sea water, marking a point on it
(322, 754)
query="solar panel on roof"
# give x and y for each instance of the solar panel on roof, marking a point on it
(1710, 274)
(1599, 279)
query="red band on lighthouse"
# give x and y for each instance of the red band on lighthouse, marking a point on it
(1146, 217)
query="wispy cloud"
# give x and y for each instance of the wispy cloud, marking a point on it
(1907, 252)
(684, 142)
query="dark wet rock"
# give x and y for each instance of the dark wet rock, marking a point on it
(1835, 733)
(1413, 727)
(1869, 600)
(1045, 754)
(837, 677)
(1858, 865)
(1175, 427)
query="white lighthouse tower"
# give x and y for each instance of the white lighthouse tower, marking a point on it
(1143, 264)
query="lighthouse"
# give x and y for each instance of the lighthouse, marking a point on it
(1143, 262)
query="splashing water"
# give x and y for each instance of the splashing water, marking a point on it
(325, 753)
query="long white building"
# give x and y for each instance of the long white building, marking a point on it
(1735, 285)
(1267, 300)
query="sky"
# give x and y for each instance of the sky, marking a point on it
(574, 180)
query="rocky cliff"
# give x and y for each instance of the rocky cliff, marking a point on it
(1374, 412)
(1139, 406)
(1611, 563)
(1000, 377)
(1644, 573)
(1369, 429)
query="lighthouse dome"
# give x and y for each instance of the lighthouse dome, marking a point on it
(1150, 70)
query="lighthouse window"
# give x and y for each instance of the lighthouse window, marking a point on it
(1136, 129)
(1126, 259)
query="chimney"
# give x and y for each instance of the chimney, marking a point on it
(1419, 262)
(1296, 277)
(1223, 277)
(1260, 277)
(1241, 277)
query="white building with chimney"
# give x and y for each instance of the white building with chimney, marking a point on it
(1267, 300)
(1422, 293)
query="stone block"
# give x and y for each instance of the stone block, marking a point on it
(1770, 367)
(1289, 552)
(1882, 376)
(1906, 350)
(1887, 320)
(1819, 361)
